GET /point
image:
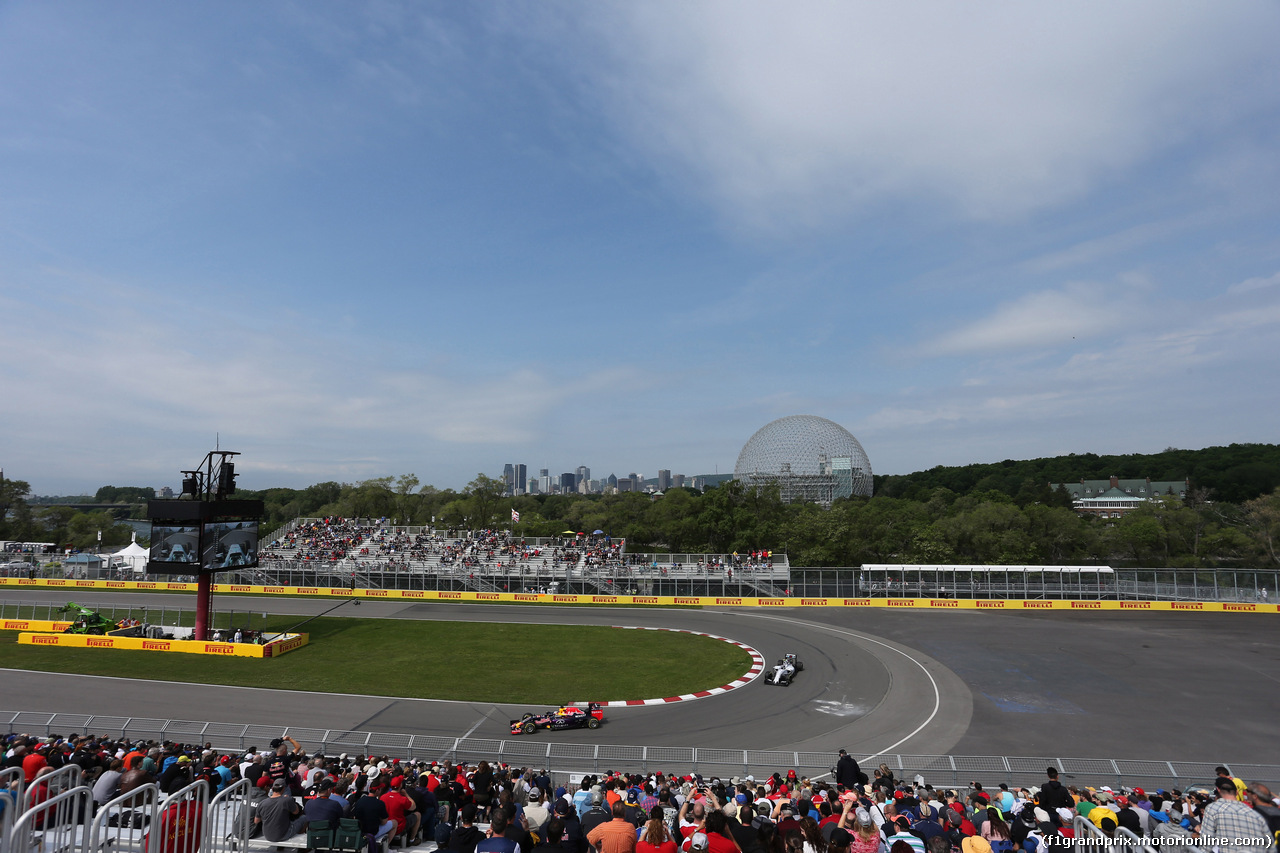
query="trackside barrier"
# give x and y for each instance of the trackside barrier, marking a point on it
(8, 809)
(949, 770)
(180, 827)
(1004, 604)
(123, 823)
(229, 819)
(63, 779)
(53, 824)
(11, 783)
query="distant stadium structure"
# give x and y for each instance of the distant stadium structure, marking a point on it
(812, 459)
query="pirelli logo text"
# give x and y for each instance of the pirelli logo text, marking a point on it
(604, 599)
(376, 593)
(413, 593)
(902, 602)
(1242, 608)
(219, 649)
(943, 602)
(275, 590)
(524, 596)
(451, 595)
(564, 598)
(488, 596)
(308, 590)
(236, 587)
(641, 599)
(680, 600)
(813, 602)
(57, 582)
(44, 640)
(146, 585)
(1186, 605)
(994, 605)
(155, 645)
(857, 602)
(1037, 605)
(739, 600)
(1086, 605)
(100, 642)
(1135, 605)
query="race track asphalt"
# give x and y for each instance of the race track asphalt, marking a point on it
(1196, 686)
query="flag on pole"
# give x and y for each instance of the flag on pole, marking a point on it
(515, 516)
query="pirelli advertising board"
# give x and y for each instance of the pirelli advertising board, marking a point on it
(664, 600)
(281, 645)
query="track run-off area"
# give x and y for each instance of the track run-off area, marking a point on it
(1195, 686)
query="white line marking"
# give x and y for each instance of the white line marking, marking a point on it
(937, 694)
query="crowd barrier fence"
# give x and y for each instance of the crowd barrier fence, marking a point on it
(655, 600)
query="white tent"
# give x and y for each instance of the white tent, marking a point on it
(132, 555)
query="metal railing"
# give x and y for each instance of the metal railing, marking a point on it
(568, 758)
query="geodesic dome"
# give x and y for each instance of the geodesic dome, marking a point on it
(811, 459)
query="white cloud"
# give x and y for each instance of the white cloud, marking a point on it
(1038, 320)
(785, 113)
(1257, 283)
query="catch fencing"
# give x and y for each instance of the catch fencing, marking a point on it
(568, 758)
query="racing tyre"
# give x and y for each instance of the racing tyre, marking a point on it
(799, 666)
(593, 723)
(529, 728)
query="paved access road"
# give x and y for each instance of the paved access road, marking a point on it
(1199, 686)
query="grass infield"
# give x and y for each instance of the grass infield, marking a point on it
(471, 661)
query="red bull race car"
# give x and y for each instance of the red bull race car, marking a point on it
(565, 717)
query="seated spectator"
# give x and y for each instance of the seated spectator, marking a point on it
(277, 815)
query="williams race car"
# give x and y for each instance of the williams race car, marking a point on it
(566, 717)
(784, 671)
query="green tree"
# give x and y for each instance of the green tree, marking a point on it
(1262, 520)
(483, 495)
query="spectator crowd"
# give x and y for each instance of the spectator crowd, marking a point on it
(494, 808)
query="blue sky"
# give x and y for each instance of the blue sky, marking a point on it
(366, 239)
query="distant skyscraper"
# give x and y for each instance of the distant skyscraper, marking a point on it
(522, 478)
(568, 483)
(678, 481)
(582, 473)
(612, 481)
(509, 477)
(664, 479)
(544, 483)
(624, 484)
(544, 472)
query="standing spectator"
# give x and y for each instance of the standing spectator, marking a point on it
(1231, 825)
(655, 836)
(848, 773)
(497, 842)
(465, 836)
(616, 836)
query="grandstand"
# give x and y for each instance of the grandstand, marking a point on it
(368, 553)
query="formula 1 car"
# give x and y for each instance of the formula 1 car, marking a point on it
(566, 717)
(784, 671)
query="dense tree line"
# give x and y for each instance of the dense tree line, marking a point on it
(60, 525)
(1234, 474)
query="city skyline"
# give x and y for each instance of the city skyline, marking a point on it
(377, 239)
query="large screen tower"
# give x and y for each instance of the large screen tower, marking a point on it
(204, 530)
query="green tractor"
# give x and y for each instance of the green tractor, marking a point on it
(86, 621)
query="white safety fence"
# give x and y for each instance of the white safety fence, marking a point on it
(58, 815)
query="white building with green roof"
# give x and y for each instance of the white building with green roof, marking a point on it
(1113, 498)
